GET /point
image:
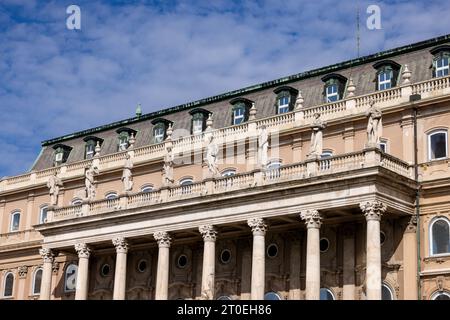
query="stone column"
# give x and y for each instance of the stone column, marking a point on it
(348, 263)
(259, 228)
(209, 235)
(120, 276)
(48, 256)
(410, 260)
(373, 211)
(82, 285)
(313, 221)
(162, 274)
(22, 272)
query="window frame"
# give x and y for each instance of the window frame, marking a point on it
(329, 291)
(111, 195)
(11, 223)
(274, 293)
(41, 209)
(61, 154)
(147, 186)
(439, 293)
(388, 287)
(443, 55)
(183, 181)
(329, 95)
(33, 284)
(430, 236)
(239, 106)
(159, 137)
(76, 202)
(432, 133)
(226, 172)
(123, 141)
(5, 278)
(387, 81)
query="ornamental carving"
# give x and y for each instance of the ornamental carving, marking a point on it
(55, 267)
(22, 271)
(82, 250)
(209, 232)
(312, 218)
(121, 244)
(163, 238)
(412, 224)
(373, 210)
(258, 225)
(47, 255)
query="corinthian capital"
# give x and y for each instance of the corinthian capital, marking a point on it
(373, 210)
(121, 244)
(82, 250)
(208, 232)
(312, 218)
(258, 225)
(163, 238)
(47, 255)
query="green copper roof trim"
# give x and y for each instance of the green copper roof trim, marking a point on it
(299, 76)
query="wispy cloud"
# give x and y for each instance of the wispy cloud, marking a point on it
(161, 53)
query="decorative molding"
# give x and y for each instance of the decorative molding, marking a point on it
(373, 210)
(412, 224)
(121, 244)
(312, 218)
(22, 272)
(209, 232)
(55, 267)
(163, 238)
(48, 255)
(258, 225)
(82, 250)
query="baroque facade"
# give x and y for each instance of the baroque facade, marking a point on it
(328, 184)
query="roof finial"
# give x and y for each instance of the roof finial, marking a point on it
(138, 110)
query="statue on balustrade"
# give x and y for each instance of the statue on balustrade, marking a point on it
(317, 127)
(54, 183)
(374, 125)
(127, 176)
(212, 152)
(263, 145)
(168, 167)
(89, 181)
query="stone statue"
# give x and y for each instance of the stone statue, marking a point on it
(168, 167)
(212, 151)
(263, 145)
(374, 125)
(317, 127)
(89, 181)
(54, 183)
(127, 176)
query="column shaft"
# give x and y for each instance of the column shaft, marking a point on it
(120, 275)
(82, 279)
(209, 257)
(46, 283)
(162, 273)
(259, 229)
(410, 262)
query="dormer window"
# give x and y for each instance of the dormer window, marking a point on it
(61, 154)
(334, 87)
(160, 129)
(387, 74)
(124, 138)
(241, 107)
(441, 61)
(91, 143)
(285, 99)
(199, 117)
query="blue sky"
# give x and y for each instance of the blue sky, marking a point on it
(55, 81)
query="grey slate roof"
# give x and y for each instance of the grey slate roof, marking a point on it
(417, 56)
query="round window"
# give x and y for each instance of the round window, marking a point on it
(382, 237)
(182, 261)
(225, 256)
(142, 265)
(105, 269)
(324, 245)
(272, 250)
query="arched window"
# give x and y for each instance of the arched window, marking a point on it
(70, 278)
(61, 153)
(186, 182)
(124, 137)
(444, 295)
(387, 74)
(229, 173)
(326, 294)
(111, 195)
(384, 145)
(199, 117)
(159, 131)
(241, 107)
(441, 58)
(274, 164)
(91, 143)
(272, 296)
(37, 279)
(76, 201)
(386, 292)
(8, 285)
(147, 188)
(285, 99)
(15, 221)
(440, 236)
(334, 87)
(437, 145)
(43, 214)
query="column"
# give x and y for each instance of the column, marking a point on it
(48, 256)
(82, 285)
(372, 211)
(162, 273)
(246, 270)
(209, 235)
(410, 260)
(348, 263)
(313, 221)
(259, 228)
(120, 275)
(22, 271)
(294, 267)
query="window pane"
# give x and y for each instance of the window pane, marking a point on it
(272, 296)
(15, 222)
(438, 145)
(442, 297)
(37, 282)
(325, 294)
(9, 284)
(385, 293)
(43, 216)
(441, 237)
(197, 126)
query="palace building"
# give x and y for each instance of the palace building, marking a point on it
(328, 184)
